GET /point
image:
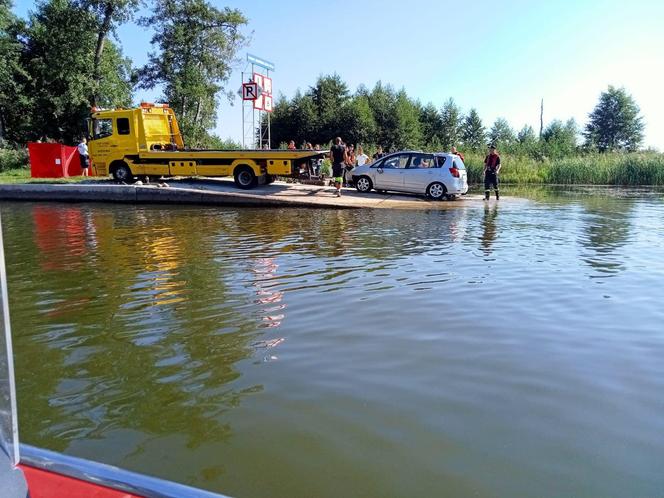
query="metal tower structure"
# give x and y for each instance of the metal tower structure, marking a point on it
(256, 131)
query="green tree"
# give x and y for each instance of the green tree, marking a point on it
(527, 142)
(473, 133)
(382, 101)
(502, 134)
(197, 44)
(430, 124)
(560, 139)
(526, 136)
(451, 124)
(58, 58)
(329, 95)
(615, 123)
(304, 119)
(14, 99)
(408, 133)
(108, 13)
(280, 122)
(358, 121)
(296, 120)
(218, 143)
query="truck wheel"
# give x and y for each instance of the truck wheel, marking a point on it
(245, 177)
(122, 173)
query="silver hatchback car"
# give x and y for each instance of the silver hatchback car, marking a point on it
(437, 175)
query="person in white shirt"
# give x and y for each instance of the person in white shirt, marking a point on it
(361, 157)
(84, 155)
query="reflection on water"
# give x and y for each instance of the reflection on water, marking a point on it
(458, 352)
(607, 231)
(489, 227)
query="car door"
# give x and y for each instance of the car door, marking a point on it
(420, 173)
(390, 173)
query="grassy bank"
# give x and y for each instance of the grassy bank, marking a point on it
(589, 169)
(15, 168)
(22, 175)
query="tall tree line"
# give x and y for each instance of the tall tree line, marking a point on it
(390, 118)
(63, 59)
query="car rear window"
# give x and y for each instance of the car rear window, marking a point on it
(458, 163)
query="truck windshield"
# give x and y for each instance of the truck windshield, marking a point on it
(102, 128)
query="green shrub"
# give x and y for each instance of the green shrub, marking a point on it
(13, 159)
(217, 143)
(326, 168)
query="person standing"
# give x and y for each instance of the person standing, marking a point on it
(339, 158)
(491, 171)
(457, 153)
(318, 163)
(84, 156)
(361, 157)
(379, 153)
(350, 164)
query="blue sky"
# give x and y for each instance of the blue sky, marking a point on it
(499, 57)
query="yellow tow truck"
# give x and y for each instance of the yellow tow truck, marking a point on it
(146, 142)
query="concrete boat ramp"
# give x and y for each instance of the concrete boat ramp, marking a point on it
(223, 192)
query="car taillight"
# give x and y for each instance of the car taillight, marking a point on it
(455, 172)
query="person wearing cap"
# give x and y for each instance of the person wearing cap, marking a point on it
(491, 171)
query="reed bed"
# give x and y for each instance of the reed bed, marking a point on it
(645, 168)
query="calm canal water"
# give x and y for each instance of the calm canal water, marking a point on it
(516, 350)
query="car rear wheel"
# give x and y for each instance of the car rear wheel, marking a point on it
(363, 184)
(245, 177)
(436, 191)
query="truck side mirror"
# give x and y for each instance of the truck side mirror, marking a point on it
(87, 128)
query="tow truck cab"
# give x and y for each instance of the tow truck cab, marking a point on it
(122, 134)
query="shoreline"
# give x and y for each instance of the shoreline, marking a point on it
(223, 193)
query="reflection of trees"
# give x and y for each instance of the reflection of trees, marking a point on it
(138, 317)
(133, 335)
(606, 229)
(374, 234)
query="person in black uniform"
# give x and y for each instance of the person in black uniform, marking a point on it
(339, 157)
(491, 171)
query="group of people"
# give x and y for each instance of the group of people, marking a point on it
(344, 158)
